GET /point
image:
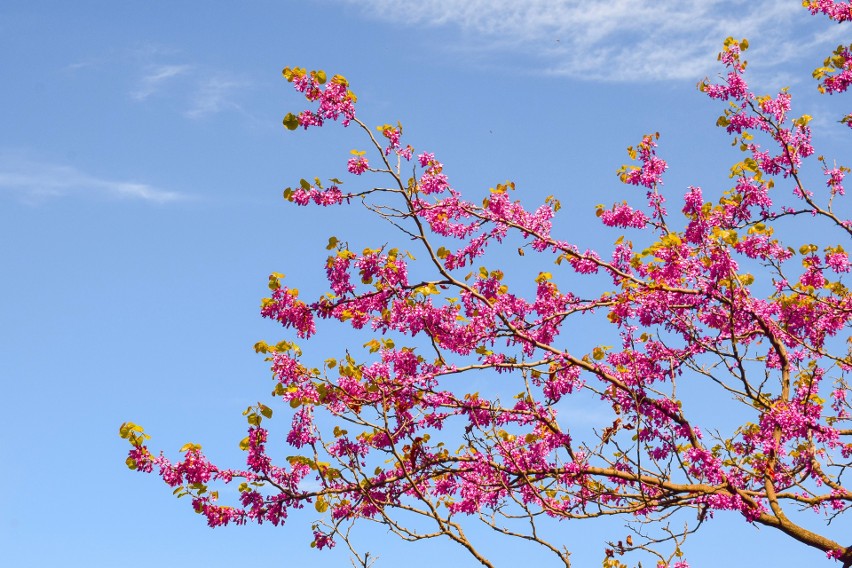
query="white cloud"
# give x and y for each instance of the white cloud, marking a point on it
(36, 181)
(155, 78)
(616, 40)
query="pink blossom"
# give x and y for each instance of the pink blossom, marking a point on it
(357, 165)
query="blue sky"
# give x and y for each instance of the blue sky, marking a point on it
(142, 160)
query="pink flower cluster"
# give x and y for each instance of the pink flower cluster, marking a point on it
(357, 165)
(838, 11)
(324, 197)
(842, 77)
(335, 100)
(835, 180)
(651, 171)
(291, 312)
(433, 180)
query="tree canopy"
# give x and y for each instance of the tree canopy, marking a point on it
(730, 290)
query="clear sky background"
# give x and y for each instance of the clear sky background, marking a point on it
(142, 160)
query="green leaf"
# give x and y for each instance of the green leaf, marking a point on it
(306, 185)
(291, 121)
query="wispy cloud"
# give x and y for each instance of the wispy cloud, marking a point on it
(204, 92)
(214, 95)
(88, 63)
(157, 73)
(615, 40)
(155, 78)
(35, 181)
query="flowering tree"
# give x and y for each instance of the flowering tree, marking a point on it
(389, 433)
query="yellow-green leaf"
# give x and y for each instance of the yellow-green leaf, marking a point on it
(291, 121)
(321, 505)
